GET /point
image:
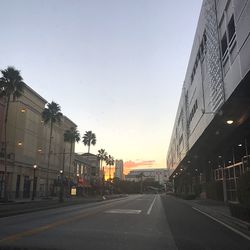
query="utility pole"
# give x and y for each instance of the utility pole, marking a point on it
(62, 179)
(141, 175)
(34, 182)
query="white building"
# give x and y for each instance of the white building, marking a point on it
(119, 169)
(160, 175)
(213, 114)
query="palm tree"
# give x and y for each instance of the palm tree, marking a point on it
(110, 162)
(51, 114)
(71, 135)
(11, 85)
(89, 138)
(102, 156)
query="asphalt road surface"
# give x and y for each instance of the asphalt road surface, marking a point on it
(138, 222)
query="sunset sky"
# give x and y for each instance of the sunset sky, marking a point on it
(116, 67)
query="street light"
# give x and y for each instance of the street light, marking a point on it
(34, 182)
(61, 186)
(229, 122)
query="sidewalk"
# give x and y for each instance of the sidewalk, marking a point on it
(27, 205)
(219, 211)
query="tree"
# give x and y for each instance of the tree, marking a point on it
(11, 86)
(89, 138)
(51, 115)
(71, 135)
(102, 156)
(110, 162)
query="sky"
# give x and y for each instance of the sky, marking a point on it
(115, 67)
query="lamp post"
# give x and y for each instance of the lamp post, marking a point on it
(34, 183)
(77, 183)
(61, 186)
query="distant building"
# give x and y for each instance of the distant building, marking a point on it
(160, 175)
(87, 170)
(119, 169)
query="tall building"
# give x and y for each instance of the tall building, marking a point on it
(119, 169)
(210, 134)
(28, 145)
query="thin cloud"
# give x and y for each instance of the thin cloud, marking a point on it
(134, 164)
(130, 165)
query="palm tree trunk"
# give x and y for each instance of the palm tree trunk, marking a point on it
(88, 148)
(110, 172)
(70, 155)
(100, 177)
(103, 181)
(5, 151)
(47, 178)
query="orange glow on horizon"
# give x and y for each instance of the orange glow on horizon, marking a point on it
(131, 165)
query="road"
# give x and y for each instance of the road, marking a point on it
(138, 222)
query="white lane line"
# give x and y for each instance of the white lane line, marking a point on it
(224, 224)
(151, 206)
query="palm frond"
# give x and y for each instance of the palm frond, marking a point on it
(72, 135)
(52, 113)
(11, 83)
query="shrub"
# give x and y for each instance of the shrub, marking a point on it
(240, 211)
(186, 196)
(243, 189)
(215, 190)
(197, 189)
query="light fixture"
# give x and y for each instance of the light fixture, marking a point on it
(35, 166)
(220, 156)
(230, 122)
(196, 170)
(61, 171)
(23, 110)
(229, 162)
(19, 143)
(39, 150)
(239, 145)
(181, 169)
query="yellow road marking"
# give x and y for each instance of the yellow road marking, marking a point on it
(37, 230)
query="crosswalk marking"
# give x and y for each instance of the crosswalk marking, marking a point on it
(123, 211)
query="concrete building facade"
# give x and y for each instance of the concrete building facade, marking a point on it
(27, 146)
(159, 175)
(119, 169)
(213, 110)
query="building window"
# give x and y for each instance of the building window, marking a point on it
(200, 55)
(193, 111)
(224, 44)
(228, 42)
(181, 139)
(231, 29)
